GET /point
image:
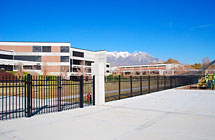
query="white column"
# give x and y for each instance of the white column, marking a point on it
(98, 69)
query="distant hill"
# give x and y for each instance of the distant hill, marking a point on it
(126, 58)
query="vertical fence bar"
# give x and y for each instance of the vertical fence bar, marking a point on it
(94, 90)
(81, 91)
(24, 107)
(59, 93)
(157, 82)
(149, 86)
(131, 85)
(9, 97)
(31, 94)
(12, 78)
(28, 95)
(6, 96)
(175, 81)
(119, 87)
(45, 91)
(170, 82)
(141, 88)
(40, 91)
(164, 82)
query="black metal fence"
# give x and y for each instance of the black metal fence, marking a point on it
(30, 95)
(124, 87)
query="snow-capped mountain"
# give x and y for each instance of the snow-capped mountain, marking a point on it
(126, 58)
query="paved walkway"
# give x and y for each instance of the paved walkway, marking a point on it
(166, 115)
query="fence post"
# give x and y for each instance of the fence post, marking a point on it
(149, 84)
(94, 90)
(81, 91)
(119, 88)
(175, 81)
(131, 84)
(141, 88)
(98, 70)
(59, 93)
(157, 82)
(29, 96)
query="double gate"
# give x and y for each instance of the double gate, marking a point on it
(30, 95)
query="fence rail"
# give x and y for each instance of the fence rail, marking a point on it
(30, 95)
(124, 87)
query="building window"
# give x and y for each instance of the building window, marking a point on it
(38, 67)
(77, 62)
(46, 48)
(28, 67)
(78, 54)
(64, 59)
(37, 49)
(88, 70)
(6, 68)
(75, 69)
(28, 58)
(64, 49)
(4, 56)
(88, 63)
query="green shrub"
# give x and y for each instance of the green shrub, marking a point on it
(110, 77)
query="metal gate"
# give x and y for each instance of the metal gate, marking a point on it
(30, 95)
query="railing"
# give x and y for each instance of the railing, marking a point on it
(124, 87)
(30, 95)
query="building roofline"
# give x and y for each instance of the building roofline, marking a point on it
(87, 49)
(34, 42)
(14, 43)
(6, 50)
(48, 42)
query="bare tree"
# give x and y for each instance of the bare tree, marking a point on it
(45, 69)
(64, 71)
(82, 70)
(19, 73)
(205, 61)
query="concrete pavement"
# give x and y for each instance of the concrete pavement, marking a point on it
(166, 115)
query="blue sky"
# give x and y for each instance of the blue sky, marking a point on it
(180, 29)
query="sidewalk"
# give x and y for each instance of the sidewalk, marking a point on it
(166, 115)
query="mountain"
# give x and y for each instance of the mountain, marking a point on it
(135, 58)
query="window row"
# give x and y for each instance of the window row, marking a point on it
(4, 56)
(30, 67)
(28, 58)
(77, 54)
(81, 62)
(81, 70)
(41, 48)
(37, 58)
(48, 48)
(64, 59)
(6, 68)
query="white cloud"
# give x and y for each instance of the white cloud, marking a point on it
(202, 26)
